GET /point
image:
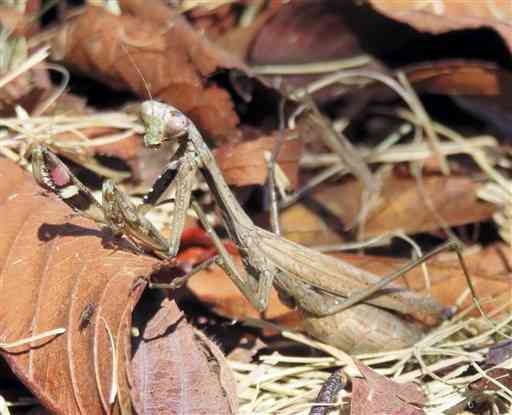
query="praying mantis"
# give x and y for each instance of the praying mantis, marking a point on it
(331, 292)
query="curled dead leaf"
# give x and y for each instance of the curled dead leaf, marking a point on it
(460, 77)
(443, 16)
(172, 61)
(179, 373)
(376, 394)
(305, 31)
(60, 271)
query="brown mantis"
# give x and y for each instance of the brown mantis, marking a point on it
(318, 284)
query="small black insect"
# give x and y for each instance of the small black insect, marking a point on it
(86, 315)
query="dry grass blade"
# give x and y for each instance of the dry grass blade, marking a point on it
(33, 339)
(68, 135)
(36, 58)
(289, 384)
(498, 189)
(400, 153)
(402, 89)
(494, 193)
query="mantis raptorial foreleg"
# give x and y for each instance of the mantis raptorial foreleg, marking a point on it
(116, 211)
(180, 172)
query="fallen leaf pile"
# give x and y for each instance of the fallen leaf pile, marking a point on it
(385, 127)
(59, 269)
(376, 394)
(118, 57)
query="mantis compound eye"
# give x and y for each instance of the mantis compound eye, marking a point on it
(162, 123)
(176, 123)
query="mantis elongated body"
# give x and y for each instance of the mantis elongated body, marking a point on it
(318, 284)
(328, 290)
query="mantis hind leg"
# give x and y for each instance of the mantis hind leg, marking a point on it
(358, 297)
(322, 303)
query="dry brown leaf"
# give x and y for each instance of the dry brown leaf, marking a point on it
(54, 268)
(182, 373)
(460, 77)
(174, 60)
(10, 180)
(244, 163)
(308, 31)
(322, 217)
(128, 149)
(376, 394)
(481, 88)
(239, 40)
(59, 271)
(209, 18)
(440, 16)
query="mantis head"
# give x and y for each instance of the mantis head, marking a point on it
(162, 123)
